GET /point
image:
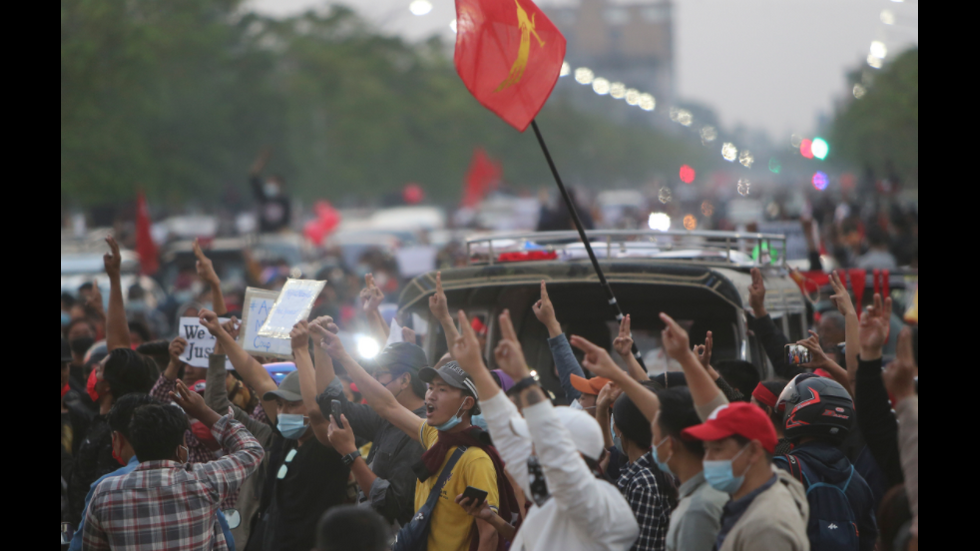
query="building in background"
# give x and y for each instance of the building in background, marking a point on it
(627, 41)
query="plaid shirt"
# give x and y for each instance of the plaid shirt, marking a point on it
(639, 486)
(164, 505)
(197, 452)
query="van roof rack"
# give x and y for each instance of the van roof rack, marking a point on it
(736, 249)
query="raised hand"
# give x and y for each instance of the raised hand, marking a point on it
(210, 322)
(438, 304)
(608, 395)
(112, 259)
(466, 348)
(675, 339)
(703, 351)
(818, 358)
(205, 268)
(623, 343)
(330, 342)
(874, 327)
(371, 294)
(408, 335)
(191, 402)
(300, 337)
(342, 439)
(176, 349)
(597, 360)
(899, 375)
(325, 322)
(232, 327)
(544, 310)
(757, 294)
(508, 353)
(841, 298)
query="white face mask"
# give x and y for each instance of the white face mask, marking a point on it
(271, 189)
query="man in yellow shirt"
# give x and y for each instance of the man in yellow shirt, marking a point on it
(450, 403)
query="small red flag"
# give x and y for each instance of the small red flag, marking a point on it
(483, 176)
(145, 246)
(509, 55)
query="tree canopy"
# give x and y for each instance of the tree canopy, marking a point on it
(177, 96)
(880, 130)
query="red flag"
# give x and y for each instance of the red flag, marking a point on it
(509, 55)
(145, 246)
(483, 176)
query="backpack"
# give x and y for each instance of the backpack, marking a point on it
(833, 524)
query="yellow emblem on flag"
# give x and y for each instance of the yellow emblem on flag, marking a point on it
(526, 27)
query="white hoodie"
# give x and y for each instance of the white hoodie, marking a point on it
(584, 513)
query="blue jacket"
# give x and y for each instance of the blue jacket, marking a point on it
(833, 467)
(76, 540)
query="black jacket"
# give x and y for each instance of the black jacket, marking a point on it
(392, 456)
(876, 420)
(774, 342)
(93, 460)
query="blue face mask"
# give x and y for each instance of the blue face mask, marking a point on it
(291, 425)
(617, 441)
(662, 465)
(65, 318)
(479, 421)
(453, 421)
(720, 476)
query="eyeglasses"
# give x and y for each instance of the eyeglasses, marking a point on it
(284, 469)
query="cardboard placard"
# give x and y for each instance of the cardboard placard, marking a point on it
(292, 306)
(258, 304)
(200, 342)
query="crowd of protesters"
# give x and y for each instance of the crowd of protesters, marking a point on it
(407, 452)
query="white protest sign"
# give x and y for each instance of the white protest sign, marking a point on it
(258, 304)
(293, 305)
(200, 343)
(395, 333)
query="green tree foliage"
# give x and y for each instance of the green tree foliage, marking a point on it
(880, 130)
(177, 96)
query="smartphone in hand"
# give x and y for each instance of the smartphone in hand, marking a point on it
(797, 354)
(335, 410)
(477, 495)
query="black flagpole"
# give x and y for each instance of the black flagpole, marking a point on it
(581, 232)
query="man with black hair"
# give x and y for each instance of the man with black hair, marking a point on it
(164, 500)
(351, 528)
(696, 521)
(81, 336)
(122, 372)
(637, 481)
(769, 509)
(387, 481)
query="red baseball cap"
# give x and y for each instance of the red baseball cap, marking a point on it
(589, 386)
(738, 418)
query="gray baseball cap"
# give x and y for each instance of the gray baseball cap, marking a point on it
(288, 390)
(452, 374)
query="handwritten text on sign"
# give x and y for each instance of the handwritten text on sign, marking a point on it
(293, 305)
(258, 304)
(200, 343)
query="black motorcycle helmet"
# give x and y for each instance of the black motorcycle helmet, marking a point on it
(815, 406)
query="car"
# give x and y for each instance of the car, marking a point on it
(699, 278)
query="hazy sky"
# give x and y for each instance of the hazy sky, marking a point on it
(769, 64)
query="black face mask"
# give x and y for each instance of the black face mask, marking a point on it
(81, 345)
